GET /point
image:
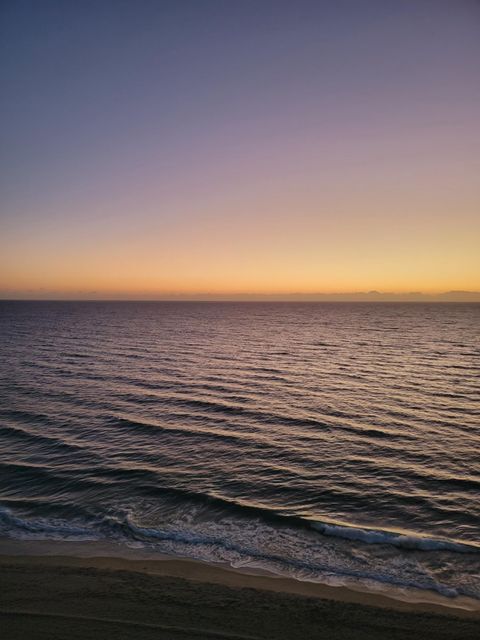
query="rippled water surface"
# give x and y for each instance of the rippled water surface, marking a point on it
(331, 442)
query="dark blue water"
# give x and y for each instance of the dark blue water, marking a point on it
(329, 442)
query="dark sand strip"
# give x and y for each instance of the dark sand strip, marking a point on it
(103, 598)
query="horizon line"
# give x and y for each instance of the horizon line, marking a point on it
(360, 296)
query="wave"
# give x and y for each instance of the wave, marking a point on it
(404, 541)
(407, 541)
(42, 528)
(220, 506)
(314, 427)
(239, 543)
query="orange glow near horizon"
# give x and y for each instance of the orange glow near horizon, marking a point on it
(333, 242)
(249, 257)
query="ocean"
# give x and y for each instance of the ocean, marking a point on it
(329, 442)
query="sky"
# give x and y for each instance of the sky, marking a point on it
(199, 148)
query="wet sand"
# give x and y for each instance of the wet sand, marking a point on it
(58, 597)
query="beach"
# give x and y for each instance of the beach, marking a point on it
(103, 597)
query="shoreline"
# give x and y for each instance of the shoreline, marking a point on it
(64, 597)
(94, 555)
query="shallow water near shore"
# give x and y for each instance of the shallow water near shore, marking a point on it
(333, 443)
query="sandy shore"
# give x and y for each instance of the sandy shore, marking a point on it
(69, 597)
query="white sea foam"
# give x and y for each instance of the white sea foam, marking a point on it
(283, 550)
(404, 541)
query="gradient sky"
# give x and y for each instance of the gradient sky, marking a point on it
(195, 146)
